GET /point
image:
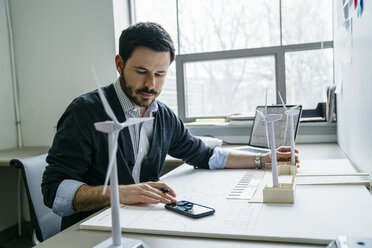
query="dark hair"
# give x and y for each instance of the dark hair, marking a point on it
(147, 34)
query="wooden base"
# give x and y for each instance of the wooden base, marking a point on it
(285, 192)
(125, 243)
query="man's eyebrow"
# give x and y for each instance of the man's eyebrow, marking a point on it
(140, 67)
(143, 68)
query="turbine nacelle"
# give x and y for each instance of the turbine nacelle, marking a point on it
(133, 121)
(273, 117)
(292, 111)
(270, 117)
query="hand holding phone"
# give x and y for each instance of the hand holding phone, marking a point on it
(190, 209)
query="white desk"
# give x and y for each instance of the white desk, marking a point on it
(73, 237)
(20, 152)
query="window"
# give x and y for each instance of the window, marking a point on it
(229, 51)
(308, 73)
(221, 86)
(211, 25)
(306, 21)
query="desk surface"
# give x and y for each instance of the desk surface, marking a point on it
(75, 237)
(320, 212)
(21, 152)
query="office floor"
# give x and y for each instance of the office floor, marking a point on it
(25, 241)
(22, 242)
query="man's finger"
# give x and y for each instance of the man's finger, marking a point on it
(158, 191)
(286, 149)
(163, 198)
(160, 185)
(283, 154)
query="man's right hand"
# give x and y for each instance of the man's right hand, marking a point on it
(149, 192)
(91, 197)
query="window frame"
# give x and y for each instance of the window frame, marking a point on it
(278, 52)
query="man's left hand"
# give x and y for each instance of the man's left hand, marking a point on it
(283, 154)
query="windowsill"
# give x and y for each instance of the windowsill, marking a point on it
(309, 132)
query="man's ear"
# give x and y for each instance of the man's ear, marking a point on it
(119, 63)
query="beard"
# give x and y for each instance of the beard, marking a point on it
(131, 93)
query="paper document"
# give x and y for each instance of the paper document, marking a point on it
(314, 179)
(232, 219)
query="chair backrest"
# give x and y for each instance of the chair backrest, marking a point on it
(45, 222)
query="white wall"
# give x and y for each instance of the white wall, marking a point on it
(355, 101)
(56, 42)
(8, 133)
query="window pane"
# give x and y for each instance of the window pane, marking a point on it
(307, 75)
(163, 12)
(210, 25)
(306, 21)
(224, 87)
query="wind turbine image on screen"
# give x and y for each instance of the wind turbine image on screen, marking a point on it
(289, 115)
(269, 123)
(112, 128)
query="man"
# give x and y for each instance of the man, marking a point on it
(72, 182)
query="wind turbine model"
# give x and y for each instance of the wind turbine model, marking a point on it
(269, 120)
(112, 128)
(289, 114)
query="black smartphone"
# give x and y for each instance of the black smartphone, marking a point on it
(190, 209)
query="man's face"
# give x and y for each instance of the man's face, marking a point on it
(142, 77)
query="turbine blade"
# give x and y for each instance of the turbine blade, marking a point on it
(286, 126)
(262, 115)
(266, 102)
(105, 126)
(281, 99)
(105, 103)
(295, 107)
(112, 160)
(267, 136)
(132, 121)
(264, 120)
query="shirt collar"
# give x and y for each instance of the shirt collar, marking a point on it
(126, 104)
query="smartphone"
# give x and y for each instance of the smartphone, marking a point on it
(190, 209)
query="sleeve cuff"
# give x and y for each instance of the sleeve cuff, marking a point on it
(219, 158)
(65, 195)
